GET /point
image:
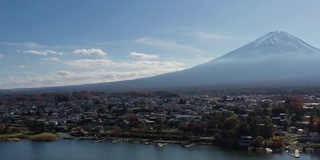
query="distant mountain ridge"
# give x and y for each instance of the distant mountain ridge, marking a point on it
(276, 59)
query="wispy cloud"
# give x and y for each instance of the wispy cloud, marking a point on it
(153, 64)
(90, 63)
(21, 66)
(204, 36)
(170, 45)
(30, 45)
(143, 56)
(43, 53)
(51, 59)
(93, 51)
(1, 55)
(106, 63)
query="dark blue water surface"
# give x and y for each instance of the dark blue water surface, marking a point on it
(87, 150)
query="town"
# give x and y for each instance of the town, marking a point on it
(235, 120)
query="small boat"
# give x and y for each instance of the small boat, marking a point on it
(99, 140)
(188, 145)
(161, 144)
(296, 153)
(269, 150)
(115, 141)
(147, 143)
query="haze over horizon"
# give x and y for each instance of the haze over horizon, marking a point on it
(57, 43)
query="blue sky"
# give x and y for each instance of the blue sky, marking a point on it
(68, 42)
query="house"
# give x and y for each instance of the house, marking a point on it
(245, 141)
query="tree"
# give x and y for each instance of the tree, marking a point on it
(267, 130)
(276, 110)
(258, 141)
(2, 128)
(159, 125)
(229, 127)
(182, 101)
(7, 130)
(315, 124)
(38, 126)
(236, 109)
(101, 110)
(244, 129)
(83, 95)
(132, 118)
(253, 122)
(294, 104)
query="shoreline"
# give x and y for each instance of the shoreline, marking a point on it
(185, 143)
(135, 140)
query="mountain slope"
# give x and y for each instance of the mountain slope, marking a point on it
(276, 59)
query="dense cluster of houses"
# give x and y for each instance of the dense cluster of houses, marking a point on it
(101, 112)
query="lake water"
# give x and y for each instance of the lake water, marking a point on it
(87, 150)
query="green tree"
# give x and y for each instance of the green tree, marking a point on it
(244, 129)
(276, 110)
(159, 125)
(254, 126)
(229, 127)
(267, 130)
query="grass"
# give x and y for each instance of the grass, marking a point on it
(13, 135)
(43, 137)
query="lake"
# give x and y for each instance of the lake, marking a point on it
(87, 150)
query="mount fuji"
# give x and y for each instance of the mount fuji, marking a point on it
(277, 59)
(274, 60)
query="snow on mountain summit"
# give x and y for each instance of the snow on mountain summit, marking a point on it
(273, 43)
(284, 42)
(276, 37)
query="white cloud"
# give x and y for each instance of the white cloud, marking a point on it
(143, 56)
(63, 78)
(1, 56)
(93, 51)
(43, 53)
(88, 71)
(65, 73)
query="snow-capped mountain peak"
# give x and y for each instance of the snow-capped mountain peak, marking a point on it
(276, 37)
(274, 43)
(281, 41)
